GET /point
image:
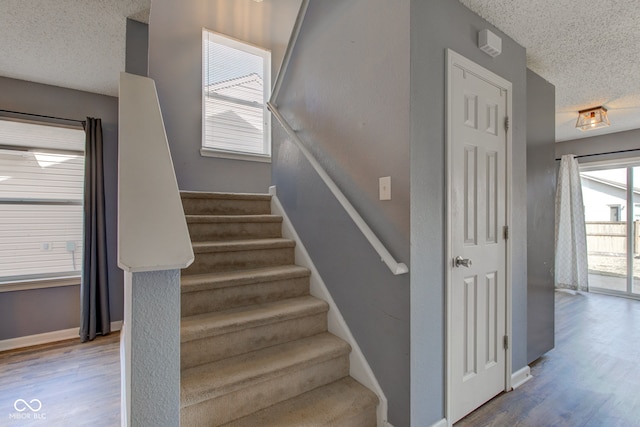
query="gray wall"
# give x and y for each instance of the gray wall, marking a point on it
(620, 141)
(541, 188)
(37, 311)
(137, 57)
(347, 91)
(175, 63)
(435, 26)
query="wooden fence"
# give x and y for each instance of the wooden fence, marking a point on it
(611, 237)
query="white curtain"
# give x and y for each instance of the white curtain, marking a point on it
(571, 237)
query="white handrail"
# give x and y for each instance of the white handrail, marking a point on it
(287, 55)
(395, 267)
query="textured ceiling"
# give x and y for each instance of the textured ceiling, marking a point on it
(78, 44)
(588, 50)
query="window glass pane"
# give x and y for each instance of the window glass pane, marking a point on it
(604, 194)
(226, 63)
(21, 134)
(235, 90)
(636, 231)
(40, 241)
(35, 175)
(41, 194)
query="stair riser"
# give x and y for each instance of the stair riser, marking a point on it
(198, 352)
(234, 405)
(366, 418)
(201, 232)
(240, 260)
(343, 403)
(200, 302)
(195, 206)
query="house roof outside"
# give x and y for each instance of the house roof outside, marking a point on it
(249, 88)
(234, 111)
(612, 180)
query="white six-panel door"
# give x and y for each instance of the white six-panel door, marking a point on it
(477, 110)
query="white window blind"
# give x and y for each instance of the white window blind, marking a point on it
(236, 85)
(41, 192)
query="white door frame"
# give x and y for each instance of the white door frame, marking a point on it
(454, 59)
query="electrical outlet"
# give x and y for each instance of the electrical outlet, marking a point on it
(47, 246)
(385, 188)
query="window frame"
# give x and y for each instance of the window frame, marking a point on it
(249, 48)
(43, 280)
(630, 164)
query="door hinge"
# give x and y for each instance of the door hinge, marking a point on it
(505, 342)
(506, 123)
(505, 232)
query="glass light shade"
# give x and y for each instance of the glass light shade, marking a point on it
(593, 118)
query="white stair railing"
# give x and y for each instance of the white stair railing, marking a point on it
(152, 229)
(386, 257)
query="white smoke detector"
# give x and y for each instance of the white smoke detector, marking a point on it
(489, 43)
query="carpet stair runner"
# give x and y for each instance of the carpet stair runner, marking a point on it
(255, 350)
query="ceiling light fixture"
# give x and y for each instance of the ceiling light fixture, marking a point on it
(592, 118)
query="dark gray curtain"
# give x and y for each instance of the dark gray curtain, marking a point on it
(94, 289)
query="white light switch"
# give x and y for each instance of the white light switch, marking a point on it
(385, 188)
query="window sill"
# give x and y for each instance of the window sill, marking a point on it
(209, 152)
(24, 285)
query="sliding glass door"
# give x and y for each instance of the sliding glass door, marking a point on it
(635, 232)
(611, 196)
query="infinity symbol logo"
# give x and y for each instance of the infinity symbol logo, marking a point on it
(21, 405)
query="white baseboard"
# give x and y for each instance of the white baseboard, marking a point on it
(359, 367)
(520, 377)
(441, 423)
(47, 337)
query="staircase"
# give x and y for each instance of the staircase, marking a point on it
(255, 350)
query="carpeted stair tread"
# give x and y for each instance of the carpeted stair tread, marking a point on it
(224, 279)
(337, 404)
(203, 293)
(228, 375)
(237, 255)
(220, 219)
(241, 245)
(233, 227)
(197, 203)
(224, 196)
(228, 321)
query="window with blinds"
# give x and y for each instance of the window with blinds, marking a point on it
(41, 192)
(236, 86)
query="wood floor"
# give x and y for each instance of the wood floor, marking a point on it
(591, 378)
(76, 384)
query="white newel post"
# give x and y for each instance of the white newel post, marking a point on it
(153, 245)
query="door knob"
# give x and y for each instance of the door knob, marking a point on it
(459, 261)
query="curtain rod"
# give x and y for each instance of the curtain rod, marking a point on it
(82, 122)
(608, 152)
